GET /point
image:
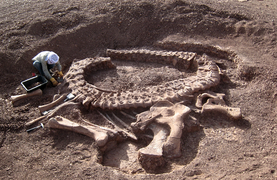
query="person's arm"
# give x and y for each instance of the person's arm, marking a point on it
(45, 70)
(47, 74)
(59, 66)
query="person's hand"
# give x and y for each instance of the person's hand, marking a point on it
(60, 73)
(54, 82)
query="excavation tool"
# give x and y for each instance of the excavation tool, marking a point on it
(40, 126)
(33, 86)
(34, 83)
(15, 98)
(69, 97)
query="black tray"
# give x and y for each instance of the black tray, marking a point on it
(29, 82)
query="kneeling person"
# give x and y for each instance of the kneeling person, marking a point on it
(46, 60)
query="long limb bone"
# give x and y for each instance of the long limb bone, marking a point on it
(99, 135)
(52, 113)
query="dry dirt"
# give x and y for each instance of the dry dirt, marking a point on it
(220, 149)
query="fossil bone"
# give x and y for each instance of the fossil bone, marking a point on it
(206, 76)
(151, 157)
(210, 105)
(165, 112)
(107, 117)
(217, 97)
(99, 135)
(215, 102)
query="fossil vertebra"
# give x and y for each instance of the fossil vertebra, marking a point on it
(207, 76)
(165, 100)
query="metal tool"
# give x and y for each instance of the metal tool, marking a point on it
(69, 97)
(41, 126)
(46, 112)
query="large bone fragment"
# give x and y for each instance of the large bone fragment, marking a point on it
(215, 102)
(99, 135)
(217, 97)
(165, 112)
(173, 117)
(15, 98)
(151, 157)
(234, 113)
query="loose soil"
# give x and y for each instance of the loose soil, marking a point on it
(219, 149)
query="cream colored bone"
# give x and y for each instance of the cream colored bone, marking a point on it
(210, 105)
(92, 97)
(151, 156)
(215, 102)
(99, 135)
(165, 112)
(217, 97)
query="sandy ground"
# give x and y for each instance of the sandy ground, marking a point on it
(220, 149)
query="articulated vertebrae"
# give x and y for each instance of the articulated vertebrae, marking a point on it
(179, 59)
(173, 91)
(167, 113)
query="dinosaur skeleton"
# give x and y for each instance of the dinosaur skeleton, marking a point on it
(163, 101)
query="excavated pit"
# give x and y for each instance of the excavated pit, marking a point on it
(118, 84)
(143, 26)
(90, 40)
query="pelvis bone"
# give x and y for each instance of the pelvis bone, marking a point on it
(164, 112)
(215, 102)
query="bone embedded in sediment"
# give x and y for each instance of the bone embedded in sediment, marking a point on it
(143, 120)
(217, 98)
(86, 102)
(151, 157)
(145, 55)
(207, 76)
(173, 116)
(210, 105)
(81, 97)
(99, 135)
(170, 95)
(102, 100)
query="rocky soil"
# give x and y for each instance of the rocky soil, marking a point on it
(219, 149)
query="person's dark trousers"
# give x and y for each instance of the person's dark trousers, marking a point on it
(38, 66)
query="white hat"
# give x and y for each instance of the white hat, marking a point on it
(52, 58)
